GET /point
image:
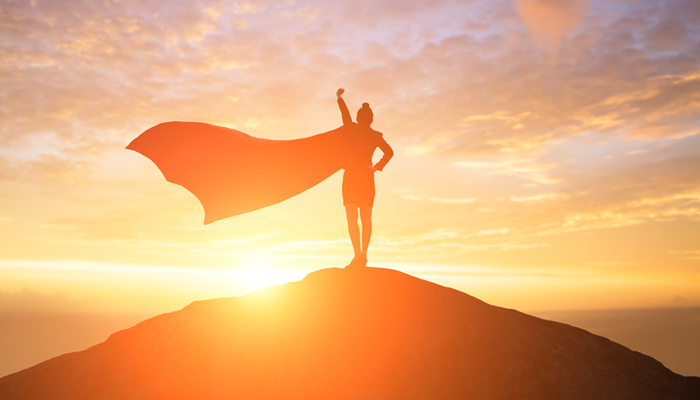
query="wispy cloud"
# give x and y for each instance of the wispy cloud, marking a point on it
(687, 254)
(538, 197)
(417, 197)
(523, 169)
(552, 19)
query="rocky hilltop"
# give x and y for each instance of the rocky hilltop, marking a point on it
(367, 333)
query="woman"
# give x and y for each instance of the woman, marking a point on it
(233, 173)
(358, 178)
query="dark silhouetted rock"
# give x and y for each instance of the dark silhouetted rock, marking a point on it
(351, 334)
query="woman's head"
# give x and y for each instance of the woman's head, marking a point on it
(365, 115)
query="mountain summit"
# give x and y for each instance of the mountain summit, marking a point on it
(365, 333)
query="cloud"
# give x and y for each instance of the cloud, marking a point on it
(551, 20)
(520, 168)
(497, 231)
(537, 197)
(418, 197)
(687, 254)
(44, 169)
(428, 76)
(602, 136)
(27, 300)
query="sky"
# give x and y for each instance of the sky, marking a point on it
(546, 151)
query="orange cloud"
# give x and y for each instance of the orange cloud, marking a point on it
(551, 20)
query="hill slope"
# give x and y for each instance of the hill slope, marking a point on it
(351, 334)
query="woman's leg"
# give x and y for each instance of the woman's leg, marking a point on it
(366, 217)
(353, 229)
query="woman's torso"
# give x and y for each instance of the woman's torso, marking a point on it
(360, 145)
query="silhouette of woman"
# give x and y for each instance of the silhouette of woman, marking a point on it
(358, 178)
(232, 173)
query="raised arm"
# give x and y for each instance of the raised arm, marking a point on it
(347, 119)
(388, 153)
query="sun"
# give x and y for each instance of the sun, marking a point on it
(255, 278)
(259, 274)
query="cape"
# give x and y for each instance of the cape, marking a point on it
(232, 173)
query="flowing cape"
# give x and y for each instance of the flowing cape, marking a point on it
(232, 173)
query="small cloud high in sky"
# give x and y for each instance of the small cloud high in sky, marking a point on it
(546, 151)
(552, 19)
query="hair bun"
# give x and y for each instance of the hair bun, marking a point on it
(365, 114)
